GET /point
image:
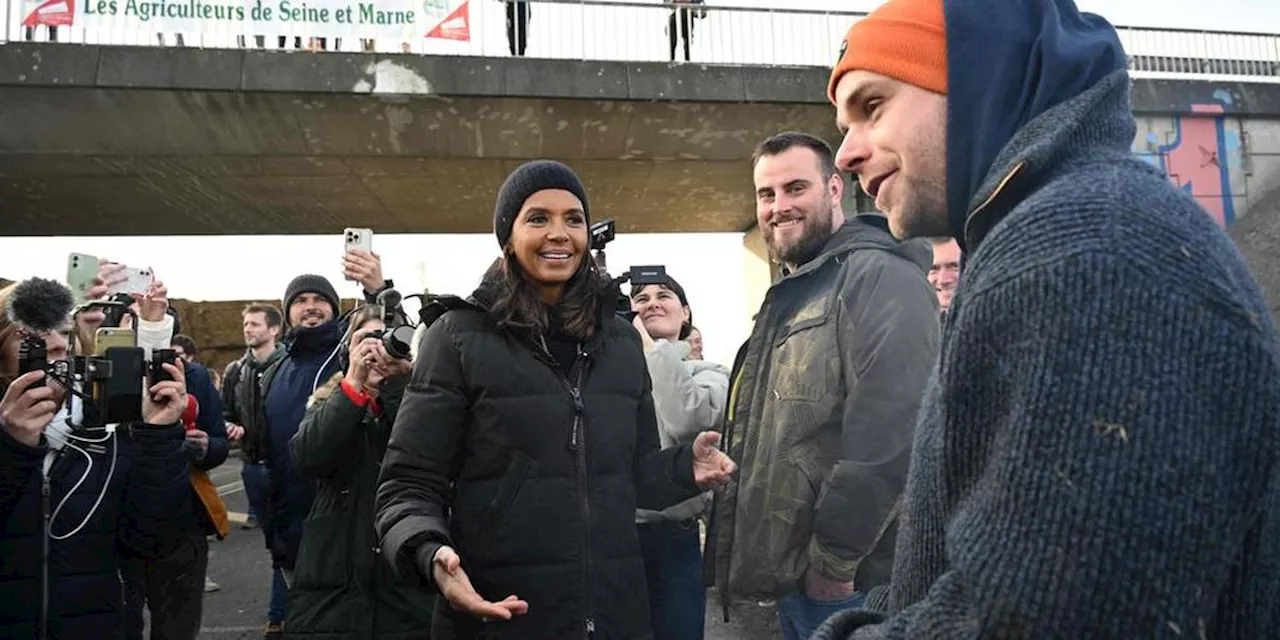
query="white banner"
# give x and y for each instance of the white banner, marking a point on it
(446, 19)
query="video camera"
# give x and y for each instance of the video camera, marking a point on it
(602, 233)
(109, 383)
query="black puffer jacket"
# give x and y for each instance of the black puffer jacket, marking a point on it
(151, 477)
(341, 589)
(539, 472)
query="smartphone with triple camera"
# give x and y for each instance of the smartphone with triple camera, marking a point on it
(353, 238)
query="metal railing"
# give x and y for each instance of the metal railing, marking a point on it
(643, 31)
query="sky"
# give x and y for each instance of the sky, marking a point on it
(709, 266)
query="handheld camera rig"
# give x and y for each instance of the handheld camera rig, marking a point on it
(602, 233)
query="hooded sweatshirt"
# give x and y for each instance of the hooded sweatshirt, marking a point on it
(1097, 453)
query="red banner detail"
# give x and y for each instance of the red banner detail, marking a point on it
(52, 13)
(456, 26)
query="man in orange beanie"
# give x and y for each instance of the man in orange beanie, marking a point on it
(1097, 451)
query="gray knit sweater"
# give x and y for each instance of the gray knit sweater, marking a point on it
(1097, 454)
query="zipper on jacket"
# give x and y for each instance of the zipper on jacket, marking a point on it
(578, 444)
(44, 576)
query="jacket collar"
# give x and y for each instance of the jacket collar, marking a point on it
(1094, 124)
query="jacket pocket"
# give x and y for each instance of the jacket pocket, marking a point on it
(324, 556)
(806, 359)
(508, 488)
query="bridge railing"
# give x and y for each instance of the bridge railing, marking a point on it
(628, 30)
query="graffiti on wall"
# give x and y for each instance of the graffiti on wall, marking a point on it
(1200, 152)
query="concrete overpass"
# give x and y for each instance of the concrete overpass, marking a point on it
(137, 140)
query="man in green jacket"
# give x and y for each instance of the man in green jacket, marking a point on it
(823, 401)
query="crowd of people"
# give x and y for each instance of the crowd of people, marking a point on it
(1036, 394)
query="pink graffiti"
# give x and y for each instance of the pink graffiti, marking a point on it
(1194, 164)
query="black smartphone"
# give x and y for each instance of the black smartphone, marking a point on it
(122, 393)
(33, 355)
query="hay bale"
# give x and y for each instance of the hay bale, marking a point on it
(216, 327)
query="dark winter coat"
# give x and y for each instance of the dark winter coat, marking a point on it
(242, 399)
(286, 385)
(531, 473)
(342, 589)
(150, 478)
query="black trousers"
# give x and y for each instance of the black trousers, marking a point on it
(172, 589)
(517, 27)
(686, 31)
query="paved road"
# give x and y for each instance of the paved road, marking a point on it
(241, 566)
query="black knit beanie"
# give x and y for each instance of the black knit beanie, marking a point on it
(310, 283)
(527, 180)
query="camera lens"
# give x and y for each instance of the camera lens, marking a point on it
(397, 341)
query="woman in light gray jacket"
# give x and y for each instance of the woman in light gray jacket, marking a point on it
(689, 396)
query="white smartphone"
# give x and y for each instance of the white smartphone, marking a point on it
(357, 239)
(136, 281)
(82, 270)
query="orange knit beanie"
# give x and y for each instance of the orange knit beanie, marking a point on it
(904, 39)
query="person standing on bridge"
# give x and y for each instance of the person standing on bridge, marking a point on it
(1099, 449)
(527, 438)
(517, 26)
(680, 25)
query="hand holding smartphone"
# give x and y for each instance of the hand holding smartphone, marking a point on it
(354, 238)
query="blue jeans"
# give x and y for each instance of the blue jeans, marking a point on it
(673, 566)
(801, 615)
(279, 596)
(256, 486)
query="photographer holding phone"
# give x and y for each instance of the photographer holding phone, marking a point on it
(103, 492)
(155, 327)
(341, 586)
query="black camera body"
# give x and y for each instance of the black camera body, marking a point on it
(33, 355)
(602, 233)
(397, 340)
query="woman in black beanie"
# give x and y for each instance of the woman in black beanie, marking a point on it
(527, 438)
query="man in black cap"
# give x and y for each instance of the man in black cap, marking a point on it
(314, 331)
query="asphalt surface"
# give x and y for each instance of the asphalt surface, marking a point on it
(241, 567)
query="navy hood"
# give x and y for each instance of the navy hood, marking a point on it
(1008, 62)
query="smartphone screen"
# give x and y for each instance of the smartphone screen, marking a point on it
(122, 393)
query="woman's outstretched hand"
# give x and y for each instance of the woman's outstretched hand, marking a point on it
(711, 466)
(456, 587)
